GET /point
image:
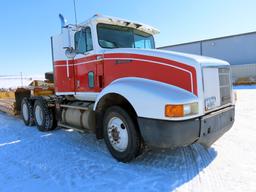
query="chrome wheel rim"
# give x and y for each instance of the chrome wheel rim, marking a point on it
(39, 115)
(25, 111)
(117, 134)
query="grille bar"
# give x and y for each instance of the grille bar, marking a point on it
(225, 85)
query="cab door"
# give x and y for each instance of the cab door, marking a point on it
(64, 76)
(86, 65)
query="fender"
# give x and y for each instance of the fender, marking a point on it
(148, 97)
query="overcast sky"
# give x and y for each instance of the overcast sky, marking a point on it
(26, 25)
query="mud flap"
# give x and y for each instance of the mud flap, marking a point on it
(214, 125)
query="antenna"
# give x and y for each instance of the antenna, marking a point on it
(74, 1)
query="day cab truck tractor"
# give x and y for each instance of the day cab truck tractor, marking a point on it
(110, 80)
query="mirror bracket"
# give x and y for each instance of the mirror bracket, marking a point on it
(70, 52)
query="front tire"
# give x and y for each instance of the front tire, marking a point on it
(120, 134)
(27, 112)
(44, 116)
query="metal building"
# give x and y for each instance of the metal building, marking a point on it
(238, 50)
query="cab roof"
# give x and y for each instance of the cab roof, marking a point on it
(121, 22)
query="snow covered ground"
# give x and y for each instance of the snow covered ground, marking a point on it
(69, 161)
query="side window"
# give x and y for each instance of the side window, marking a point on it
(80, 42)
(83, 40)
(88, 33)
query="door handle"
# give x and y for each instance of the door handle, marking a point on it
(77, 83)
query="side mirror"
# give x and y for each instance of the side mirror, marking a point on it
(70, 52)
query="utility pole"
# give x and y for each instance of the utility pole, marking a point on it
(21, 79)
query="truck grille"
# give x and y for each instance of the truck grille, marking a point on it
(225, 85)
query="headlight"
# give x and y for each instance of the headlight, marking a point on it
(181, 110)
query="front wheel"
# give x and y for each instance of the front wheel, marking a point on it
(120, 134)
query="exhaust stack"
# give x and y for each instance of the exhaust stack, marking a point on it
(63, 21)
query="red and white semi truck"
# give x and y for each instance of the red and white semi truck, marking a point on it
(110, 80)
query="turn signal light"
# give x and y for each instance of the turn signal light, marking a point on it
(174, 110)
(179, 110)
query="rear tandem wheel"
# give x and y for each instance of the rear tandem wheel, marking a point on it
(27, 112)
(44, 115)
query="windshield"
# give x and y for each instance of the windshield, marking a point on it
(113, 36)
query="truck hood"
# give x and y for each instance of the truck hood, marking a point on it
(185, 58)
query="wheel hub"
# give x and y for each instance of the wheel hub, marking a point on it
(39, 115)
(117, 134)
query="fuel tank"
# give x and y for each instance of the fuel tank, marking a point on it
(79, 115)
